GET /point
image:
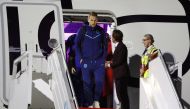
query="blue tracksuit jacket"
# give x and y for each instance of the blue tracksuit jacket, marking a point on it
(91, 43)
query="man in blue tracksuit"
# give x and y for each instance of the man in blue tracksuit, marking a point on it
(91, 48)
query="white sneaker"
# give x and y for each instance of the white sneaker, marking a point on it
(118, 106)
(90, 106)
(96, 104)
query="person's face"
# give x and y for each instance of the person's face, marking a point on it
(146, 42)
(92, 20)
(113, 40)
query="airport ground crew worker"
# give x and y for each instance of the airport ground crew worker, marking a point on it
(149, 53)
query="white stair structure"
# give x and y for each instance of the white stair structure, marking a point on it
(21, 84)
(157, 91)
(16, 90)
(61, 86)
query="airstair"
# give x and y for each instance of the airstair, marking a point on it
(158, 91)
(60, 84)
(62, 89)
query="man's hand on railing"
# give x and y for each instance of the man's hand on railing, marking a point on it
(73, 70)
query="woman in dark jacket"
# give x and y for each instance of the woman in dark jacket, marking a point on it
(120, 68)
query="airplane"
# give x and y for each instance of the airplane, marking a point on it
(28, 25)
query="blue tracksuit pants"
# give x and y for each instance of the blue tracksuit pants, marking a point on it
(93, 73)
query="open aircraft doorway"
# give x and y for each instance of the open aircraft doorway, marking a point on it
(73, 20)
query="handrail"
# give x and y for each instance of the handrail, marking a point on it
(28, 69)
(14, 71)
(153, 88)
(69, 78)
(171, 83)
(179, 65)
(20, 58)
(61, 59)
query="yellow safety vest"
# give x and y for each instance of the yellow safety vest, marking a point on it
(145, 60)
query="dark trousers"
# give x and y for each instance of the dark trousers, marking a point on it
(122, 93)
(78, 86)
(93, 73)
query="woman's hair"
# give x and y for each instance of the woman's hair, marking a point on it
(117, 35)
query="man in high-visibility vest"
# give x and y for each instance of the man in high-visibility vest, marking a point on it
(149, 54)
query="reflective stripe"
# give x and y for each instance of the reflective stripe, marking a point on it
(91, 36)
(151, 50)
(146, 74)
(145, 60)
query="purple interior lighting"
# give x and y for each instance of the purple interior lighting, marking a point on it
(72, 27)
